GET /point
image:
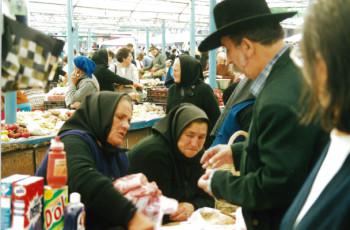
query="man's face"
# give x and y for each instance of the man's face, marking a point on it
(234, 54)
(131, 49)
(241, 57)
(154, 52)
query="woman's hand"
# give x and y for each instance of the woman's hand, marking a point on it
(138, 85)
(183, 212)
(140, 222)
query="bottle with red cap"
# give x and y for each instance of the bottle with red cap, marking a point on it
(56, 174)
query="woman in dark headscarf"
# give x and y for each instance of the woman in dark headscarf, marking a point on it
(83, 82)
(106, 77)
(170, 157)
(190, 87)
(92, 137)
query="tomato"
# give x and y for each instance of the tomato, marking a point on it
(16, 135)
(25, 134)
(12, 127)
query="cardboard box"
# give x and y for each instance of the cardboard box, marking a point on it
(27, 203)
(55, 199)
(6, 193)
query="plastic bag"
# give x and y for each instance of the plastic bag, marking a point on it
(146, 196)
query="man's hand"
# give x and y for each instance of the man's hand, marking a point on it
(203, 181)
(183, 212)
(217, 156)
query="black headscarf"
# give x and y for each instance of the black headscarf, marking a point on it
(191, 71)
(100, 57)
(174, 123)
(95, 116)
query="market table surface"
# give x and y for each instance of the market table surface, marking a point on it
(23, 155)
(34, 140)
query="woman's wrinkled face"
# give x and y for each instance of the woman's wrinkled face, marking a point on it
(121, 123)
(177, 71)
(192, 139)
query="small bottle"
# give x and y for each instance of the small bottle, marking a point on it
(56, 174)
(74, 213)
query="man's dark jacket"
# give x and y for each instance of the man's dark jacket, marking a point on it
(278, 155)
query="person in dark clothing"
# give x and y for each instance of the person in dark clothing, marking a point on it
(228, 91)
(106, 77)
(280, 151)
(236, 116)
(324, 201)
(239, 95)
(105, 117)
(189, 87)
(170, 157)
(169, 79)
(130, 46)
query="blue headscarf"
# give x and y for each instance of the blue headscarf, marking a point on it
(85, 64)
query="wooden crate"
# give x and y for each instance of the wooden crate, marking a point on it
(17, 162)
(157, 95)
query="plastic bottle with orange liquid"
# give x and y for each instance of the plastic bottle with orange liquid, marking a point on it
(57, 165)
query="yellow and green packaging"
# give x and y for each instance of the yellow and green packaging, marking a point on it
(55, 199)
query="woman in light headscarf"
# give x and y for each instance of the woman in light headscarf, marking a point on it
(190, 87)
(170, 157)
(83, 82)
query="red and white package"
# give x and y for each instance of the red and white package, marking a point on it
(130, 182)
(146, 196)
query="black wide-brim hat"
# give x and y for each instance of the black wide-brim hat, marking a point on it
(232, 16)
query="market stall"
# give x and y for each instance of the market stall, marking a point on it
(25, 143)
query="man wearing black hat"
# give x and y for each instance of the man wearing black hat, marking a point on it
(279, 152)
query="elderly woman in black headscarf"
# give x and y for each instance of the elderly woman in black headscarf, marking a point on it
(92, 137)
(190, 87)
(171, 155)
(83, 82)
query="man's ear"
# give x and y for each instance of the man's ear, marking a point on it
(248, 47)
